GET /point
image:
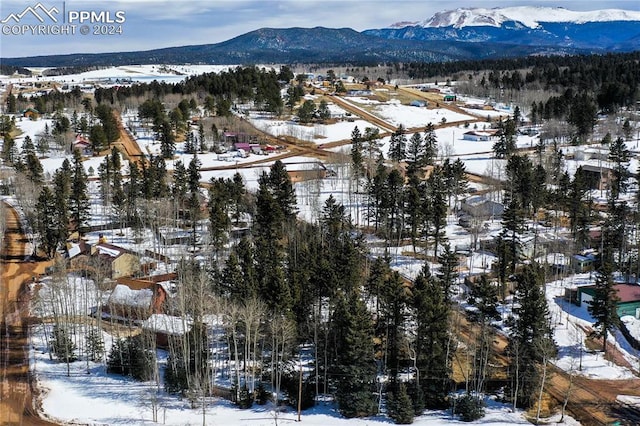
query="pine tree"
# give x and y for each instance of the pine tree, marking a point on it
(484, 296)
(62, 346)
(399, 405)
(448, 272)
(355, 365)
(167, 140)
(218, 204)
(132, 191)
(95, 345)
(436, 207)
(357, 160)
(79, 207)
(398, 145)
(603, 307)
(431, 317)
(269, 251)
(430, 144)
(531, 335)
(620, 156)
(415, 154)
(280, 186)
(413, 207)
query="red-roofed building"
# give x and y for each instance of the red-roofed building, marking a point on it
(629, 295)
(82, 144)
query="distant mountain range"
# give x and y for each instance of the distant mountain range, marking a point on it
(461, 34)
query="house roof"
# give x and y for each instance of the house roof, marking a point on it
(123, 295)
(167, 324)
(110, 250)
(626, 292)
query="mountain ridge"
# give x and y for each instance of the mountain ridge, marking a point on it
(500, 35)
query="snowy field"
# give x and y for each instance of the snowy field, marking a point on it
(135, 73)
(410, 116)
(316, 133)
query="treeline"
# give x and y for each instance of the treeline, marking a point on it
(609, 82)
(217, 91)
(11, 69)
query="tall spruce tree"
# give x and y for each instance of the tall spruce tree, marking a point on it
(268, 232)
(79, 207)
(531, 335)
(355, 367)
(398, 145)
(603, 307)
(433, 345)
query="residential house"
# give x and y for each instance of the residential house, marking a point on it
(581, 263)
(479, 207)
(166, 328)
(479, 135)
(115, 261)
(82, 144)
(135, 305)
(30, 113)
(303, 171)
(597, 177)
(628, 298)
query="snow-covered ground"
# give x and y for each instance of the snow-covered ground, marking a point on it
(411, 116)
(134, 73)
(100, 398)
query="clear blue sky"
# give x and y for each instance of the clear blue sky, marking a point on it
(151, 24)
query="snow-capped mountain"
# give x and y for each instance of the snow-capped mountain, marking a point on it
(553, 27)
(529, 16)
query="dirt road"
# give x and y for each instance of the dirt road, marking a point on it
(127, 144)
(16, 392)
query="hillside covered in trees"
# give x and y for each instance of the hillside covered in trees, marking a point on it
(258, 288)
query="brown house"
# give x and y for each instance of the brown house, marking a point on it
(129, 305)
(116, 261)
(31, 113)
(165, 328)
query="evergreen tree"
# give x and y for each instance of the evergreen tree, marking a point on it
(357, 160)
(33, 168)
(399, 405)
(413, 207)
(436, 207)
(430, 144)
(620, 156)
(307, 111)
(323, 110)
(355, 365)
(484, 296)
(432, 342)
(79, 208)
(398, 145)
(180, 188)
(531, 335)
(415, 153)
(95, 345)
(269, 251)
(579, 208)
(132, 191)
(280, 186)
(167, 140)
(218, 204)
(46, 211)
(62, 346)
(603, 307)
